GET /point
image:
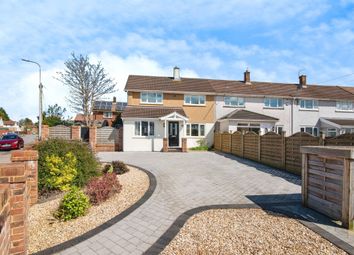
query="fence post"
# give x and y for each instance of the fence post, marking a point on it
(259, 146)
(242, 142)
(347, 210)
(75, 133)
(304, 179)
(283, 150)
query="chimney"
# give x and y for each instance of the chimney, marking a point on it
(247, 77)
(176, 74)
(114, 99)
(302, 81)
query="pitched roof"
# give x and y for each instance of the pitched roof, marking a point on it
(342, 122)
(167, 84)
(241, 114)
(150, 111)
(9, 122)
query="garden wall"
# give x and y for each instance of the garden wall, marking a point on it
(273, 149)
(18, 190)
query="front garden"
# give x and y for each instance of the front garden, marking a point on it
(77, 193)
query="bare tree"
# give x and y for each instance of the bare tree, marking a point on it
(87, 82)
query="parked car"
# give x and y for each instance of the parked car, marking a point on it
(11, 141)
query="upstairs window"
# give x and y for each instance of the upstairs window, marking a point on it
(308, 104)
(270, 102)
(194, 100)
(151, 98)
(234, 101)
(344, 106)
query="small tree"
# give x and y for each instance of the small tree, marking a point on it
(87, 82)
(3, 114)
(54, 115)
(26, 123)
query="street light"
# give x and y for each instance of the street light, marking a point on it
(40, 98)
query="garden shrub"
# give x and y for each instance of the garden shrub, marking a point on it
(99, 189)
(86, 163)
(62, 171)
(119, 167)
(73, 205)
(107, 169)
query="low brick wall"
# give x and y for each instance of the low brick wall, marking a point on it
(18, 190)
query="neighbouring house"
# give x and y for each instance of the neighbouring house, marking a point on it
(177, 107)
(104, 112)
(10, 125)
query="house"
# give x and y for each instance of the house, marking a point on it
(10, 125)
(176, 108)
(103, 112)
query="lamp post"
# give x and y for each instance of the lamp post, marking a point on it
(40, 98)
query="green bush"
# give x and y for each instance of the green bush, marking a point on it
(107, 169)
(202, 145)
(86, 163)
(74, 204)
(119, 167)
(62, 171)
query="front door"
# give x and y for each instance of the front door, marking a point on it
(173, 134)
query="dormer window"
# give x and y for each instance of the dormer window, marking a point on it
(151, 97)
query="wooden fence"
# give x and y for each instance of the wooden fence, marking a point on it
(273, 149)
(60, 131)
(109, 139)
(327, 185)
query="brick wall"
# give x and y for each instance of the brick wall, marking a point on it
(18, 190)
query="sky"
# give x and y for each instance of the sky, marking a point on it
(275, 40)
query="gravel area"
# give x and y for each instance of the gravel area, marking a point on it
(46, 231)
(247, 231)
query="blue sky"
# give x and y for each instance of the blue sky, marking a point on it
(213, 39)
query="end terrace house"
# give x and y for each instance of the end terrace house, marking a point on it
(167, 107)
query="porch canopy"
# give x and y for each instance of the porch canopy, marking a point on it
(341, 125)
(241, 119)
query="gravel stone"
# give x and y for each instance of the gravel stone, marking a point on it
(45, 231)
(247, 231)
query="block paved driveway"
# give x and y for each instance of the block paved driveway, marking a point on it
(186, 181)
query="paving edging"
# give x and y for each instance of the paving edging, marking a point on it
(174, 229)
(67, 244)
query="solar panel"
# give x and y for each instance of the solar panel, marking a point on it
(120, 106)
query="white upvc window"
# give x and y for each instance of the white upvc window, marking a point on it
(194, 100)
(311, 130)
(107, 115)
(234, 101)
(279, 129)
(308, 104)
(331, 132)
(144, 128)
(195, 129)
(346, 106)
(151, 97)
(272, 102)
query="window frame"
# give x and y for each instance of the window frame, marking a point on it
(315, 104)
(195, 104)
(279, 106)
(150, 127)
(189, 129)
(147, 97)
(328, 131)
(314, 130)
(240, 101)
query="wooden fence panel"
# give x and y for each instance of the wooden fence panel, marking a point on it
(226, 142)
(60, 131)
(237, 144)
(106, 135)
(292, 150)
(341, 140)
(272, 149)
(217, 141)
(251, 146)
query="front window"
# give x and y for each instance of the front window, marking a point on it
(144, 128)
(107, 115)
(249, 127)
(344, 106)
(273, 102)
(151, 98)
(194, 100)
(310, 130)
(308, 104)
(234, 101)
(279, 129)
(195, 129)
(331, 132)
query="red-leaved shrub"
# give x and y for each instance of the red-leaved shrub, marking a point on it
(99, 189)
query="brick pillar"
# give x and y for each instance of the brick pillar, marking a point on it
(184, 145)
(14, 177)
(165, 147)
(30, 160)
(93, 138)
(45, 132)
(75, 133)
(4, 220)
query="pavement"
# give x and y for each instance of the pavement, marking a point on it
(186, 181)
